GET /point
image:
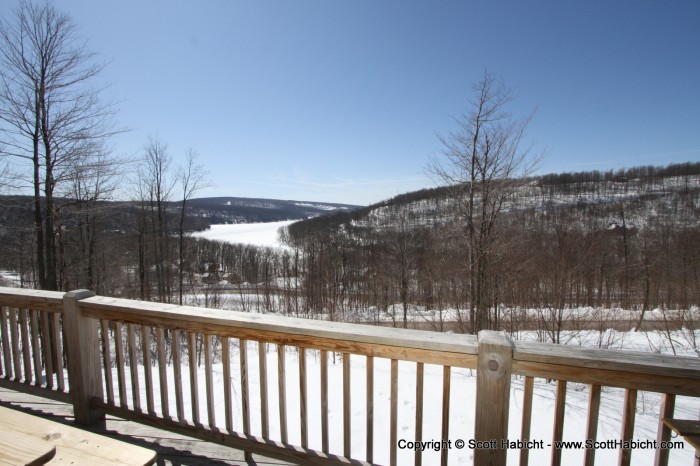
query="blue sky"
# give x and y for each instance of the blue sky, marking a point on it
(342, 101)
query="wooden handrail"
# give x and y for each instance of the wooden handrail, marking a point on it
(410, 345)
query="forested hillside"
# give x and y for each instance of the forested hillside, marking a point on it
(130, 248)
(626, 239)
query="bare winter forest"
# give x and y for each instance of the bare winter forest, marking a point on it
(616, 240)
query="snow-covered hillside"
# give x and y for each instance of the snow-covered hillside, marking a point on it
(256, 234)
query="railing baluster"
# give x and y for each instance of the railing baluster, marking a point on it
(393, 416)
(119, 352)
(668, 405)
(148, 367)
(697, 453)
(347, 421)
(162, 372)
(446, 377)
(245, 402)
(527, 419)
(6, 354)
(243, 356)
(282, 384)
(194, 385)
(211, 417)
(46, 346)
(302, 399)
(58, 350)
(420, 370)
(370, 409)
(324, 401)
(133, 367)
(226, 362)
(628, 425)
(592, 427)
(16, 359)
(36, 347)
(262, 363)
(559, 409)
(107, 360)
(26, 356)
(177, 374)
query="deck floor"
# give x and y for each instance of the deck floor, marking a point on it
(172, 449)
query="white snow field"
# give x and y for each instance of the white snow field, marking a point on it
(462, 403)
(256, 234)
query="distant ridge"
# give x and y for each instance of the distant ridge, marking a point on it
(220, 210)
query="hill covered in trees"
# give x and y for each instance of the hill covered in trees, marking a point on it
(109, 245)
(620, 239)
(626, 238)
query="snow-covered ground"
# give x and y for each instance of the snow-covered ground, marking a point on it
(462, 403)
(257, 234)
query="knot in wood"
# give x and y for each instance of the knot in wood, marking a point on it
(493, 365)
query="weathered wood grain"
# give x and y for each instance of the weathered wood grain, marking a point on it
(393, 412)
(668, 406)
(84, 367)
(657, 365)
(493, 378)
(209, 382)
(592, 422)
(282, 389)
(201, 319)
(133, 367)
(40, 300)
(228, 400)
(527, 419)
(107, 360)
(609, 377)
(559, 416)
(147, 367)
(163, 372)
(446, 378)
(628, 416)
(177, 374)
(262, 367)
(347, 404)
(248, 443)
(420, 375)
(26, 345)
(370, 409)
(119, 354)
(324, 401)
(194, 383)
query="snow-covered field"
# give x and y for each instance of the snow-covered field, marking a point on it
(462, 403)
(257, 234)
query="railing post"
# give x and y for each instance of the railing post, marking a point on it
(492, 398)
(83, 350)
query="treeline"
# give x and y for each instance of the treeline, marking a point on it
(639, 252)
(647, 174)
(623, 248)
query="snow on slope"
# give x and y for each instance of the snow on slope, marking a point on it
(256, 234)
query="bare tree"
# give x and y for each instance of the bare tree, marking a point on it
(192, 177)
(50, 114)
(485, 161)
(155, 186)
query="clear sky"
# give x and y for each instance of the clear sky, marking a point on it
(341, 101)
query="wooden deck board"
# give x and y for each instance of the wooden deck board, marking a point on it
(172, 449)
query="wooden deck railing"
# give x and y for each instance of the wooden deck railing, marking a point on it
(101, 338)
